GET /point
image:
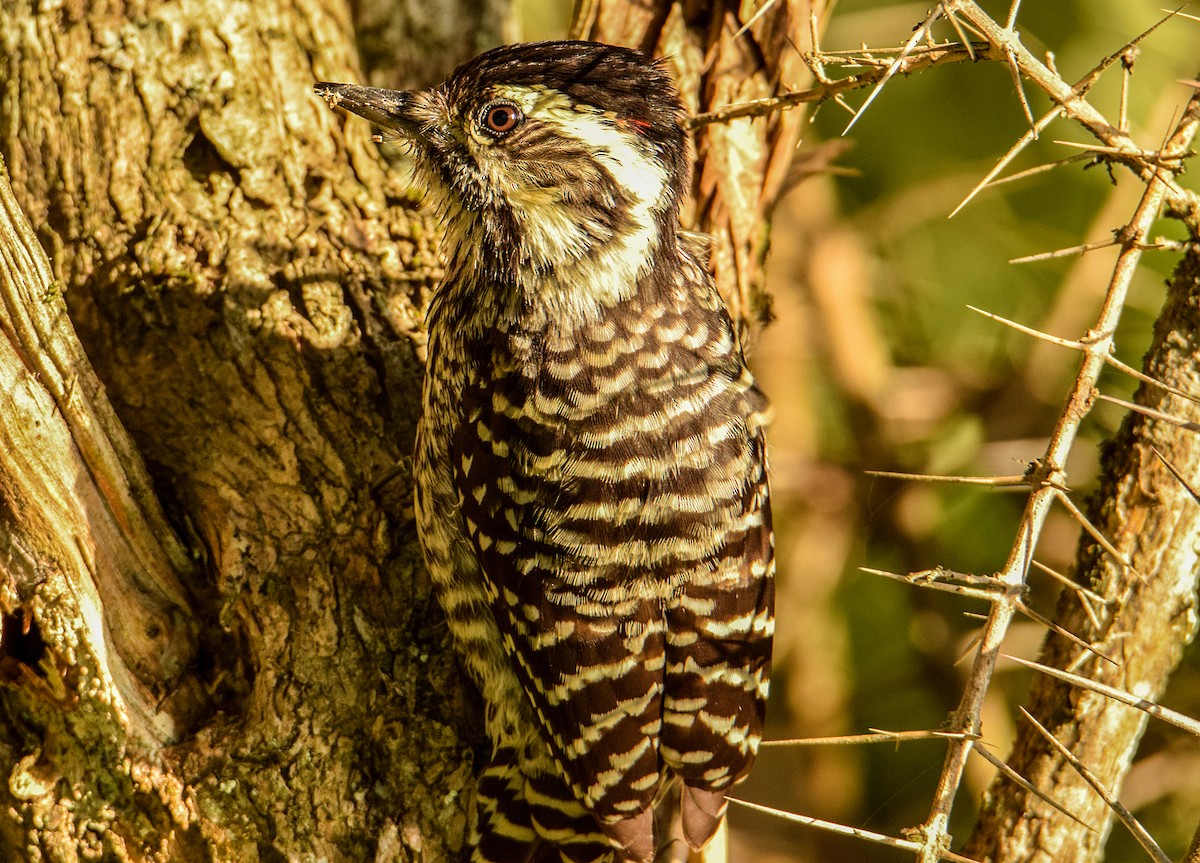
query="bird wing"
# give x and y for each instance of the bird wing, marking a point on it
(589, 653)
(718, 641)
(625, 545)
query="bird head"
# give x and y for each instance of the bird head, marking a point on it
(541, 155)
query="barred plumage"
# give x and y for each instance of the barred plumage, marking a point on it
(591, 485)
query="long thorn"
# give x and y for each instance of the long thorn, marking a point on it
(875, 737)
(962, 36)
(1167, 715)
(1023, 142)
(1040, 169)
(762, 11)
(1037, 334)
(1138, 831)
(1152, 413)
(1002, 481)
(1065, 633)
(1064, 253)
(1123, 107)
(1152, 157)
(1095, 532)
(999, 763)
(1147, 379)
(918, 579)
(1066, 582)
(1011, 21)
(1191, 489)
(917, 36)
(1084, 600)
(814, 35)
(844, 830)
(1016, 76)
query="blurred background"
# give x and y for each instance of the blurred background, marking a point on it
(874, 362)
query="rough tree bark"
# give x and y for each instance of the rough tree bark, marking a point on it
(218, 641)
(1154, 522)
(247, 283)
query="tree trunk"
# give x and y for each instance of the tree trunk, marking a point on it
(248, 281)
(1154, 522)
(219, 643)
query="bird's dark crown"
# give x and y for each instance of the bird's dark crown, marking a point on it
(619, 81)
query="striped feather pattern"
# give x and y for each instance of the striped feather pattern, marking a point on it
(526, 814)
(612, 485)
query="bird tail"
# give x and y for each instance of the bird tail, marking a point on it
(526, 813)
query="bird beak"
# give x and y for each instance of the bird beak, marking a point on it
(388, 109)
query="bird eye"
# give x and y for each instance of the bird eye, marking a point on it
(500, 118)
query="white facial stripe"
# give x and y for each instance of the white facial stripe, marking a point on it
(574, 286)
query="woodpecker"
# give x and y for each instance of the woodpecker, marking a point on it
(591, 485)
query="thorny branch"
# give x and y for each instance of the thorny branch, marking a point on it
(1156, 168)
(1096, 350)
(999, 45)
(876, 65)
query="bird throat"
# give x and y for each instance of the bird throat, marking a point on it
(580, 255)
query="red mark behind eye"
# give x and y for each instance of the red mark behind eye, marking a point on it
(641, 126)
